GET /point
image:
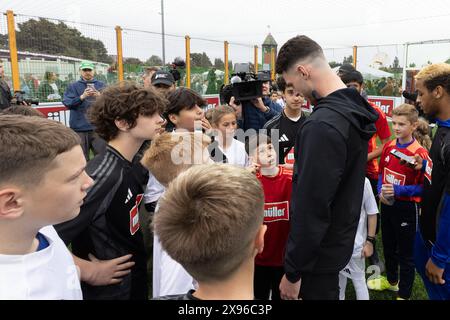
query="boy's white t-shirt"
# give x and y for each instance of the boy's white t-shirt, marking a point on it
(236, 153)
(368, 207)
(154, 189)
(169, 277)
(48, 274)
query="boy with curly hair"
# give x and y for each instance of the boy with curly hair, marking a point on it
(106, 239)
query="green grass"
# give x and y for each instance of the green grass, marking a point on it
(418, 292)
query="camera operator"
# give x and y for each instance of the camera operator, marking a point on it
(255, 113)
(5, 91)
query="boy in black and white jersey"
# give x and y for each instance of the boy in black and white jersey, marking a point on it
(106, 239)
(287, 122)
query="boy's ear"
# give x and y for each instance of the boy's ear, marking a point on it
(173, 118)
(259, 240)
(11, 204)
(121, 124)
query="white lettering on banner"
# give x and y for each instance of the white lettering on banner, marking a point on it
(276, 211)
(394, 178)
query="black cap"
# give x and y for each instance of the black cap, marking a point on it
(346, 68)
(163, 77)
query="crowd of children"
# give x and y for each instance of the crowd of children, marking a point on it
(221, 208)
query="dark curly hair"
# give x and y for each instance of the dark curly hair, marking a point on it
(123, 101)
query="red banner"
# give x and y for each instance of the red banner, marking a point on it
(386, 104)
(213, 101)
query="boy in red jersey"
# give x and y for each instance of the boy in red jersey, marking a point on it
(400, 189)
(277, 185)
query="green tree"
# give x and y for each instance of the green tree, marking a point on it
(334, 64)
(396, 68)
(448, 61)
(3, 41)
(200, 60)
(134, 61)
(44, 36)
(348, 60)
(154, 60)
(219, 64)
(412, 65)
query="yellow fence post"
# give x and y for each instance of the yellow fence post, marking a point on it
(13, 50)
(225, 48)
(188, 61)
(119, 53)
(255, 58)
(355, 55)
(272, 64)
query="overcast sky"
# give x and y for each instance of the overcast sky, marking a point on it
(332, 23)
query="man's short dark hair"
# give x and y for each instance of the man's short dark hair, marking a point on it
(123, 101)
(299, 47)
(352, 76)
(183, 98)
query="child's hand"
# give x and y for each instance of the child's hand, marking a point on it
(367, 250)
(206, 125)
(387, 190)
(384, 200)
(253, 167)
(107, 272)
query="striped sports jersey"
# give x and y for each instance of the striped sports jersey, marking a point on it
(392, 172)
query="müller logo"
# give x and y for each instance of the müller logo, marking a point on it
(394, 178)
(276, 211)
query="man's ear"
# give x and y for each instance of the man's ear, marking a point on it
(11, 203)
(259, 239)
(438, 92)
(304, 73)
(122, 125)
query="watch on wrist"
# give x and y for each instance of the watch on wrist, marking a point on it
(372, 240)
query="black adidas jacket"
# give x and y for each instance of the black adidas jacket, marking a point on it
(328, 184)
(108, 224)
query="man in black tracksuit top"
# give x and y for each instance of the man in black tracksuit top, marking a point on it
(329, 170)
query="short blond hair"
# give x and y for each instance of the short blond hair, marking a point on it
(407, 110)
(434, 75)
(219, 112)
(172, 153)
(208, 219)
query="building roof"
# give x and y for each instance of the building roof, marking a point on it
(270, 41)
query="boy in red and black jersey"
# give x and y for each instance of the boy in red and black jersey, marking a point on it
(400, 189)
(106, 238)
(277, 185)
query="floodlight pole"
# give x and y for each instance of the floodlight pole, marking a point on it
(163, 35)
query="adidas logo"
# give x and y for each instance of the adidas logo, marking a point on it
(283, 138)
(129, 196)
